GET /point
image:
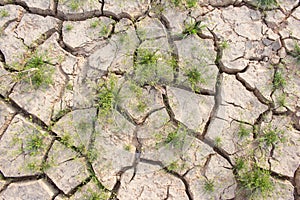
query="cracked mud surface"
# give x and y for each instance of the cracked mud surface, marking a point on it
(149, 99)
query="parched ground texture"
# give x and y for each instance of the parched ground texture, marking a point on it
(166, 99)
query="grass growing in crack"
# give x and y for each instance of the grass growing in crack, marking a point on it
(173, 166)
(243, 131)
(279, 80)
(93, 195)
(34, 144)
(194, 78)
(267, 3)
(209, 186)
(257, 181)
(66, 140)
(296, 52)
(224, 44)
(146, 57)
(218, 141)
(193, 28)
(107, 95)
(37, 72)
(4, 13)
(271, 137)
(282, 100)
(240, 164)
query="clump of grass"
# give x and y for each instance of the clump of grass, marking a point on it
(257, 181)
(209, 186)
(34, 144)
(282, 100)
(4, 13)
(243, 131)
(271, 137)
(175, 138)
(173, 166)
(37, 72)
(224, 44)
(194, 78)
(107, 95)
(193, 28)
(69, 27)
(94, 23)
(278, 80)
(191, 3)
(146, 57)
(93, 195)
(240, 164)
(74, 5)
(218, 141)
(296, 52)
(267, 3)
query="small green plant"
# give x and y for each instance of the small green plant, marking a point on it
(296, 52)
(34, 144)
(94, 23)
(69, 27)
(173, 166)
(257, 181)
(218, 141)
(74, 4)
(92, 155)
(4, 13)
(146, 57)
(107, 95)
(209, 186)
(104, 30)
(271, 137)
(127, 147)
(66, 140)
(193, 28)
(224, 44)
(278, 81)
(282, 100)
(175, 138)
(243, 131)
(240, 164)
(194, 78)
(191, 3)
(267, 3)
(93, 195)
(37, 72)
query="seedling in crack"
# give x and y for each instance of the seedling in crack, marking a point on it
(193, 28)
(107, 95)
(218, 141)
(278, 81)
(243, 131)
(37, 72)
(267, 3)
(256, 181)
(296, 53)
(96, 195)
(146, 57)
(271, 137)
(194, 78)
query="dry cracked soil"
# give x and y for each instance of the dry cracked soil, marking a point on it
(157, 99)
